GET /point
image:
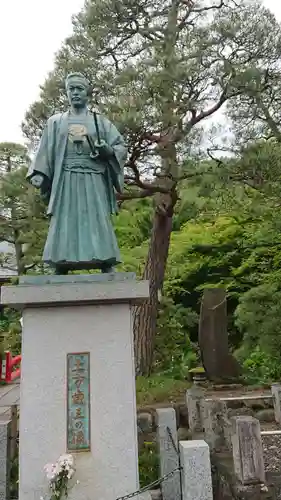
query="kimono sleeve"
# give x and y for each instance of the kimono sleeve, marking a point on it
(117, 162)
(43, 161)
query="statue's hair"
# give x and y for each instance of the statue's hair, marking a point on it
(79, 76)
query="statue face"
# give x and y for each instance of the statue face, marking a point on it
(77, 94)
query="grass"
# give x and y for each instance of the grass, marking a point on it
(148, 463)
(160, 389)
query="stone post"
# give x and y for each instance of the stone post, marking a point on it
(5, 433)
(276, 395)
(215, 422)
(194, 399)
(196, 470)
(169, 455)
(14, 430)
(247, 450)
(78, 381)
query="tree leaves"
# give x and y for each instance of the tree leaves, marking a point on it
(23, 220)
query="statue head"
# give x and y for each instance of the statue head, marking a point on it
(77, 89)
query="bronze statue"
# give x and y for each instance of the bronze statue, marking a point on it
(79, 168)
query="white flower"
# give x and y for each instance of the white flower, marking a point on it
(50, 470)
(58, 469)
(63, 468)
(70, 473)
(66, 460)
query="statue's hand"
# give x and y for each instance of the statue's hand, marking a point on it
(104, 149)
(37, 180)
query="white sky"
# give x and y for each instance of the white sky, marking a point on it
(31, 31)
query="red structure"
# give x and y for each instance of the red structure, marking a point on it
(9, 369)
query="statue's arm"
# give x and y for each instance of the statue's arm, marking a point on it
(43, 160)
(40, 173)
(117, 153)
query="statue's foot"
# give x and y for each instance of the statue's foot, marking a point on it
(107, 269)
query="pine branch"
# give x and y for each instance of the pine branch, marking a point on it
(132, 195)
(207, 8)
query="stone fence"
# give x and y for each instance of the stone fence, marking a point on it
(207, 450)
(218, 450)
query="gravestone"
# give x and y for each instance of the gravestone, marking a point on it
(219, 364)
(196, 470)
(5, 432)
(169, 454)
(247, 450)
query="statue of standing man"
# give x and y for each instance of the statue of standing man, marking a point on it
(79, 168)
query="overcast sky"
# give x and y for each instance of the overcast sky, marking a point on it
(31, 31)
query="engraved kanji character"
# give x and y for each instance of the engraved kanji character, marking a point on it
(79, 413)
(78, 398)
(80, 439)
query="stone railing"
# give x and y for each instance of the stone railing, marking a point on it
(235, 445)
(218, 452)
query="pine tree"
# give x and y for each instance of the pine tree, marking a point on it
(22, 222)
(159, 69)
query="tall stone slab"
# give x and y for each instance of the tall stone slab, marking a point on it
(169, 454)
(5, 465)
(219, 364)
(63, 316)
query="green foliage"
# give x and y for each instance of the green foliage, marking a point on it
(134, 223)
(23, 220)
(258, 317)
(174, 353)
(156, 67)
(158, 70)
(12, 157)
(155, 77)
(14, 477)
(159, 388)
(10, 331)
(235, 245)
(261, 368)
(148, 463)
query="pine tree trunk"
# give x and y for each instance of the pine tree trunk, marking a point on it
(21, 270)
(145, 318)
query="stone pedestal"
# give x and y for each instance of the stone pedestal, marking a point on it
(61, 318)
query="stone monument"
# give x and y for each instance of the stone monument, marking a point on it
(77, 371)
(219, 364)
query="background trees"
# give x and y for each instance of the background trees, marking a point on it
(159, 71)
(23, 223)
